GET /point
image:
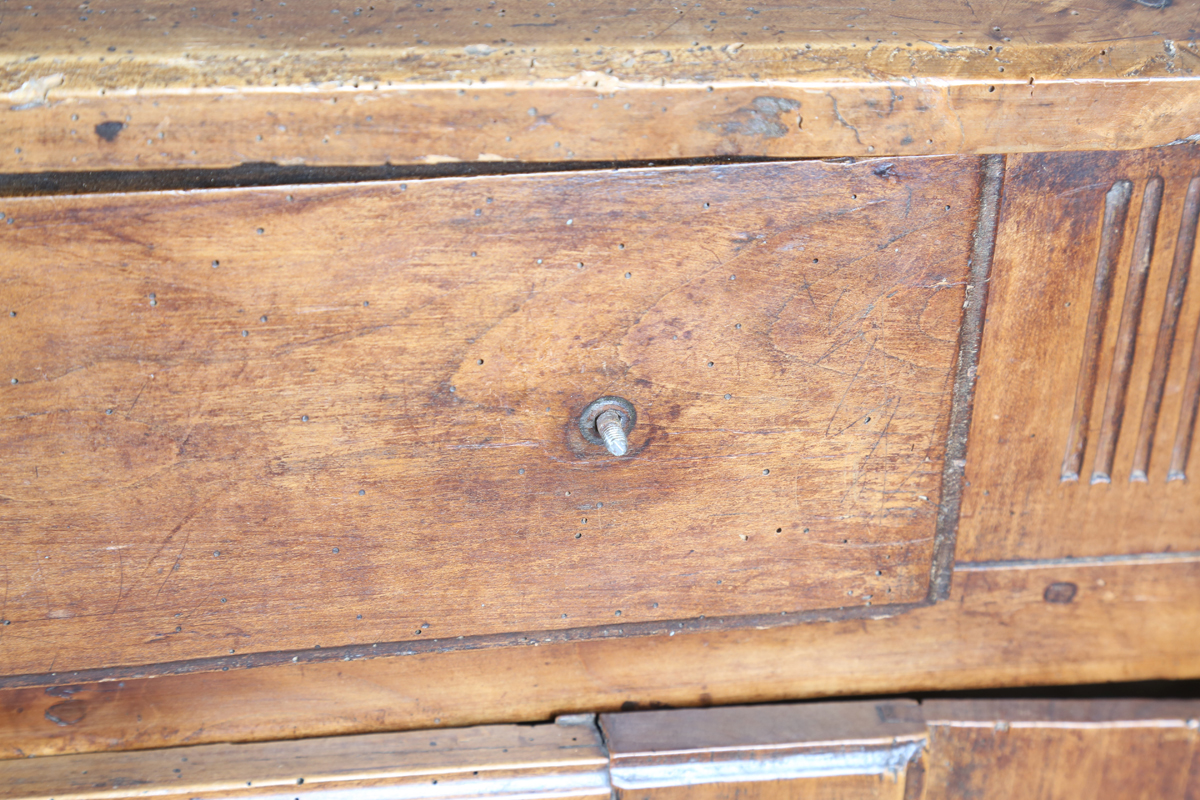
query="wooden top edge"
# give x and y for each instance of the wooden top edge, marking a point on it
(621, 67)
(126, 46)
(67, 81)
(206, 86)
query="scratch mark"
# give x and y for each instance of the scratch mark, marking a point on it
(4, 607)
(138, 397)
(182, 549)
(844, 342)
(188, 615)
(672, 25)
(807, 287)
(342, 336)
(842, 119)
(120, 583)
(110, 489)
(850, 385)
(881, 436)
(490, 445)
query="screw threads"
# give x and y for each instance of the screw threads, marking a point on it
(613, 433)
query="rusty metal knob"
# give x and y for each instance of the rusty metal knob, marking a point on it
(607, 421)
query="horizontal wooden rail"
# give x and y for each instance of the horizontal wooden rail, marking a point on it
(893, 749)
(222, 85)
(1052, 623)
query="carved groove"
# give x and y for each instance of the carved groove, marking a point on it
(1176, 286)
(1116, 209)
(1187, 416)
(1191, 387)
(962, 405)
(1131, 315)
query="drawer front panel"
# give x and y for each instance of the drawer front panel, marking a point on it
(273, 419)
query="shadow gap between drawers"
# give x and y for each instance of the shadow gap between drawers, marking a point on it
(271, 174)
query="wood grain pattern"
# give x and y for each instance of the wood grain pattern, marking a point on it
(551, 761)
(1121, 622)
(826, 750)
(1040, 318)
(121, 88)
(280, 419)
(1065, 749)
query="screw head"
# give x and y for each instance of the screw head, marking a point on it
(623, 413)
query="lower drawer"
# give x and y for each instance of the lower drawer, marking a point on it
(262, 420)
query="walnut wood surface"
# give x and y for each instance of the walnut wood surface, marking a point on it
(280, 419)
(1051, 329)
(550, 761)
(1054, 624)
(1062, 750)
(129, 88)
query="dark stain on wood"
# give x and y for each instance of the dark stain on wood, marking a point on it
(68, 712)
(1060, 592)
(108, 131)
(765, 117)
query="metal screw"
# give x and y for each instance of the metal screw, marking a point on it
(607, 421)
(613, 433)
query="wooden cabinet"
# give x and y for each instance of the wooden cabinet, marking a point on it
(300, 310)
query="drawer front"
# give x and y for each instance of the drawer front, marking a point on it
(261, 420)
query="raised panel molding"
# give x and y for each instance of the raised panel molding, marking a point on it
(1089, 373)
